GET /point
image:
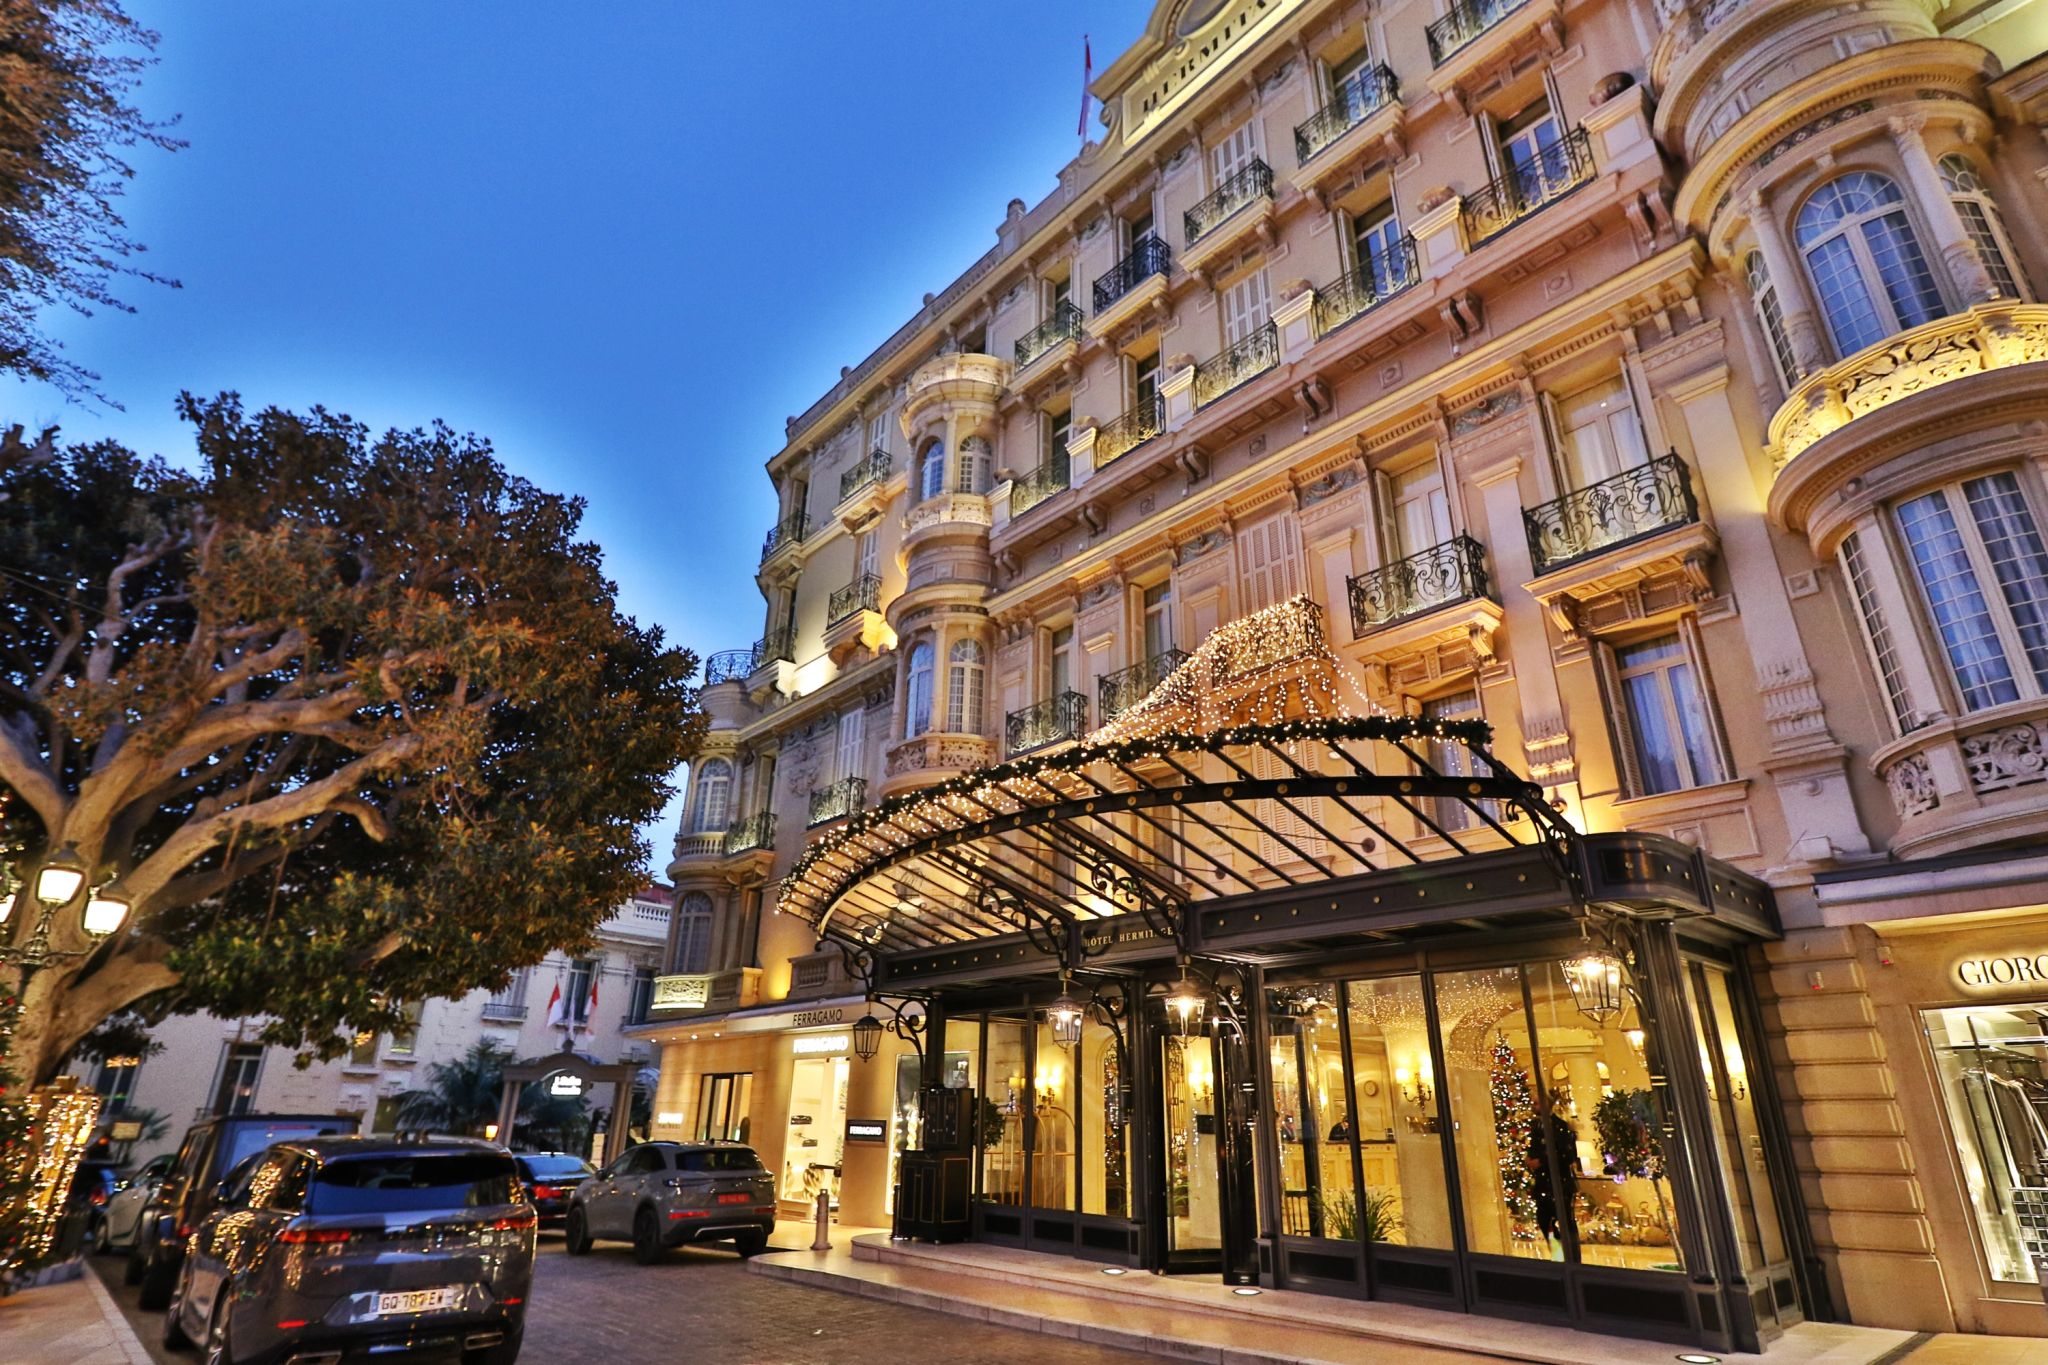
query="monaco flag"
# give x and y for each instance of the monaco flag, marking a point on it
(558, 1009)
(590, 1010)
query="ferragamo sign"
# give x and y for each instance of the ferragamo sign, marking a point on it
(1990, 973)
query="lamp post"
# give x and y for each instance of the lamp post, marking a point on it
(56, 884)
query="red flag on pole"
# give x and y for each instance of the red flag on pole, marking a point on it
(1087, 79)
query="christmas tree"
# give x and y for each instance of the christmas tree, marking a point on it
(17, 1147)
(1514, 1128)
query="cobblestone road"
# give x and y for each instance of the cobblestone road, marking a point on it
(704, 1308)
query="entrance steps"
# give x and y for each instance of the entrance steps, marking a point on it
(1199, 1318)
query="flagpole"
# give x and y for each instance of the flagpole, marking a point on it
(1087, 80)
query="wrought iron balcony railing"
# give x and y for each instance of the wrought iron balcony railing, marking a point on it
(1057, 718)
(1128, 686)
(1063, 325)
(1634, 503)
(1148, 257)
(1363, 94)
(1466, 20)
(730, 665)
(842, 798)
(1124, 434)
(1357, 292)
(862, 594)
(1558, 169)
(1040, 484)
(752, 832)
(777, 644)
(872, 470)
(791, 530)
(1247, 186)
(1249, 356)
(1454, 571)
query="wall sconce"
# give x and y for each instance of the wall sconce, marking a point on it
(1636, 1039)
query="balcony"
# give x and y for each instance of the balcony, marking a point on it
(1440, 576)
(839, 800)
(818, 974)
(683, 991)
(932, 757)
(1125, 688)
(1062, 327)
(1125, 433)
(1040, 484)
(730, 665)
(1055, 720)
(862, 594)
(1558, 169)
(1357, 99)
(1356, 293)
(866, 474)
(1968, 781)
(790, 531)
(1243, 360)
(1633, 504)
(1135, 282)
(1216, 226)
(701, 844)
(1465, 23)
(504, 1011)
(750, 834)
(778, 644)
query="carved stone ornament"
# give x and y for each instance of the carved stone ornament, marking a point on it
(1485, 411)
(1912, 786)
(1278, 78)
(1205, 543)
(1608, 86)
(1432, 200)
(1095, 227)
(1180, 157)
(1101, 592)
(2012, 756)
(1328, 486)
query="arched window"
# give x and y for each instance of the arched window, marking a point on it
(974, 460)
(693, 934)
(964, 687)
(1974, 205)
(917, 714)
(1764, 295)
(714, 796)
(931, 471)
(1866, 262)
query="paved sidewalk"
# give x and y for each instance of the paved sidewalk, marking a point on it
(73, 1322)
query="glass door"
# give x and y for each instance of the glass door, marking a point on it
(1189, 1154)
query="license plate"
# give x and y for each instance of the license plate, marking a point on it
(735, 1198)
(417, 1301)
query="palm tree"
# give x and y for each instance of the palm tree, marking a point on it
(460, 1096)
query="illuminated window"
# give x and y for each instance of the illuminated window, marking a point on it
(1983, 572)
(714, 796)
(965, 685)
(917, 713)
(1764, 296)
(1867, 266)
(931, 470)
(1979, 212)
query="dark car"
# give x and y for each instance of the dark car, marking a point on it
(212, 1148)
(330, 1249)
(549, 1177)
(663, 1194)
(93, 1183)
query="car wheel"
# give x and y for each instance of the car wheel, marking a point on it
(96, 1234)
(576, 1233)
(647, 1246)
(174, 1319)
(220, 1350)
(504, 1353)
(751, 1243)
(158, 1279)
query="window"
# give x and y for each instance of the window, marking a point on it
(917, 711)
(407, 1035)
(1533, 156)
(240, 1066)
(1376, 253)
(1876, 631)
(113, 1079)
(1422, 511)
(1245, 307)
(974, 462)
(722, 1101)
(1158, 607)
(1601, 435)
(1455, 760)
(965, 684)
(1764, 296)
(867, 554)
(878, 430)
(1060, 661)
(1145, 383)
(1269, 563)
(1234, 153)
(1057, 292)
(1056, 457)
(714, 796)
(582, 981)
(414, 1184)
(1137, 228)
(509, 1003)
(1310, 1117)
(1866, 261)
(693, 934)
(1974, 205)
(1961, 537)
(852, 738)
(362, 1052)
(931, 470)
(1991, 1061)
(643, 995)
(1669, 729)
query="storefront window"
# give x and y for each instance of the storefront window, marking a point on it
(1105, 1123)
(1056, 1134)
(1194, 1200)
(723, 1102)
(1006, 1109)
(1605, 1125)
(1394, 1113)
(1510, 1209)
(1310, 1113)
(817, 1119)
(1738, 1139)
(1993, 1064)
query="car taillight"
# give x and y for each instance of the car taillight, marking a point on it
(184, 1231)
(304, 1236)
(513, 1222)
(99, 1196)
(291, 1324)
(547, 1192)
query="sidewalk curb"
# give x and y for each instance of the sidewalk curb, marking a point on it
(124, 1335)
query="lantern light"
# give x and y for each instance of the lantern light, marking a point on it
(106, 910)
(61, 877)
(1066, 1015)
(1186, 1009)
(867, 1037)
(1596, 985)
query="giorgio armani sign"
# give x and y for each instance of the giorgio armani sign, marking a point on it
(2015, 969)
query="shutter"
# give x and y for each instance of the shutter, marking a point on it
(1288, 831)
(1235, 152)
(851, 725)
(1245, 307)
(1628, 765)
(1689, 632)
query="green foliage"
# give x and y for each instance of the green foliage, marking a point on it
(1375, 1215)
(1626, 1123)
(461, 1096)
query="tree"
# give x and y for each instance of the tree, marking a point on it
(352, 721)
(66, 129)
(461, 1096)
(1518, 1155)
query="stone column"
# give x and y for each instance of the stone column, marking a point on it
(1802, 324)
(1958, 252)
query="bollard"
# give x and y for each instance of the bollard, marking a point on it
(823, 1240)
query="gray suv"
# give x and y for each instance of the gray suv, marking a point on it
(663, 1194)
(330, 1248)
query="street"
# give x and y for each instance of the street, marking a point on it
(701, 1304)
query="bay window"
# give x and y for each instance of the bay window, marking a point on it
(1979, 212)
(917, 712)
(1977, 553)
(965, 685)
(1868, 268)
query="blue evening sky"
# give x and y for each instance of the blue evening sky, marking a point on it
(623, 239)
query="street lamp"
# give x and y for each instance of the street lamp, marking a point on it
(1066, 1015)
(61, 876)
(105, 909)
(1596, 985)
(867, 1037)
(57, 883)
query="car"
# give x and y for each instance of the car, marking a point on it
(663, 1194)
(122, 1216)
(93, 1183)
(549, 1177)
(212, 1147)
(330, 1248)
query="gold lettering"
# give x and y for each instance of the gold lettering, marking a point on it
(1970, 972)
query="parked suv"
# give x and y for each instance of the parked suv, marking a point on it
(358, 1248)
(211, 1149)
(663, 1194)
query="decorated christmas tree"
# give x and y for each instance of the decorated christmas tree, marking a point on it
(17, 1148)
(1514, 1129)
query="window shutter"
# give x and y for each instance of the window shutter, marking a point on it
(1288, 831)
(1689, 631)
(851, 726)
(1626, 761)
